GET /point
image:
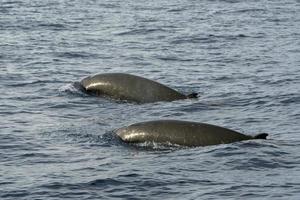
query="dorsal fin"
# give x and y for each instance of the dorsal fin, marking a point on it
(192, 95)
(261, 136)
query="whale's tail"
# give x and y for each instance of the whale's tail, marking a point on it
(261, 136)
(192, 95)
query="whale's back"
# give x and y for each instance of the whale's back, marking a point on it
(179, 132)
(129, 87)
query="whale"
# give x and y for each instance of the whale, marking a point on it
(183, 133)
(122, 86)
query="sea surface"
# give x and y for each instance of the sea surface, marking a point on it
(242, 57)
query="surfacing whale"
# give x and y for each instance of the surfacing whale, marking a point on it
(129, 87)
(183, 133)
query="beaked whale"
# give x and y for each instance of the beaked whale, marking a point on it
(183, 133)
(129, 87)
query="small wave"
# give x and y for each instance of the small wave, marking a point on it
(75, 55)
(22, 84)
(289, 100)
(207, 39)
(281, 81)
(77, 138)
(173, 58)
(249, 10)
(109, 138)
(35, 155)
(6, 183)
(84, 138)
(52, 25)
(84, 135)
(14, 194)
(34, 62)
(140, 32)
(11, 4)
(196, 107)
(225, 78)
(262, 163)
(59, 185)
(226, 151)
(228, 37)
(193, 40)
(72, 88)
(177, 10)
(109, 5)
(108, 182)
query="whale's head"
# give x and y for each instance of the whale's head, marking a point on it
(126, 134)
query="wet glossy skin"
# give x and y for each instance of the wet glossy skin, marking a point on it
(129, 87)
(179, 132)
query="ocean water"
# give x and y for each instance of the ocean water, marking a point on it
(242, 57)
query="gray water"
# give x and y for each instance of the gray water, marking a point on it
(242, 57)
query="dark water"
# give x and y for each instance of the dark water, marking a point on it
(243, 57)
